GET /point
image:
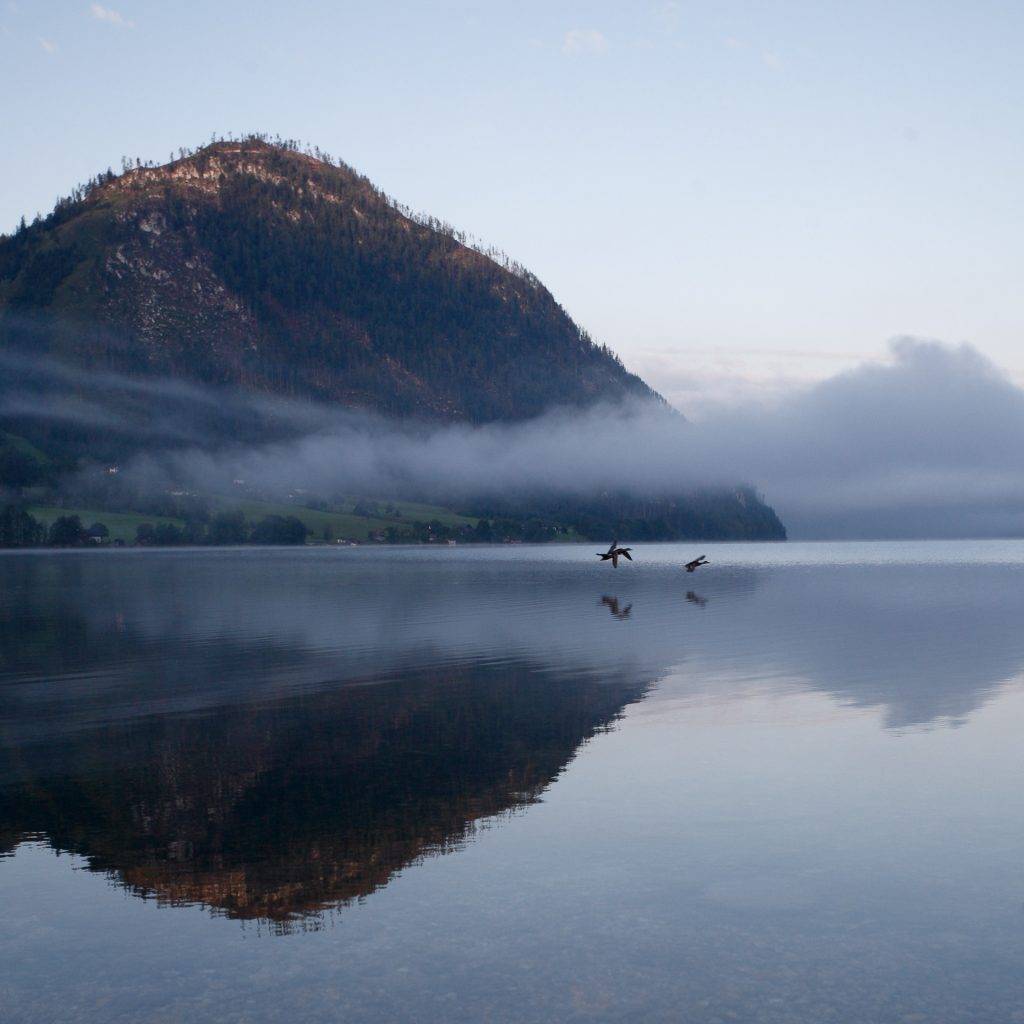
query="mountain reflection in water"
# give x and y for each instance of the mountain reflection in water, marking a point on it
(284, 808)
(274, 734)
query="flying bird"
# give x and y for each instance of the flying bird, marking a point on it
(613, 553)
(696, 564)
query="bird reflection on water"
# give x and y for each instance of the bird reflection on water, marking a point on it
(612, 604)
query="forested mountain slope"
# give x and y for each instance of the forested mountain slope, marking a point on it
(260, 266)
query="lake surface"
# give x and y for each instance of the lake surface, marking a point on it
(513, 784)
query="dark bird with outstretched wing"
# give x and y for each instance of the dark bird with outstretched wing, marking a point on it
(613, 553)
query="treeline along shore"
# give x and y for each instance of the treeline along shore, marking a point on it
(24, 527)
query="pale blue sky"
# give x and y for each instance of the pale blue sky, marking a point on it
(727, 193)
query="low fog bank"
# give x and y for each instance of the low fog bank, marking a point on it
(927, 444)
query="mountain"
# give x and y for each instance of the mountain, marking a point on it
(245, 293)
(275, 270)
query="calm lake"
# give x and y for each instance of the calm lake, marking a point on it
(513, 784)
